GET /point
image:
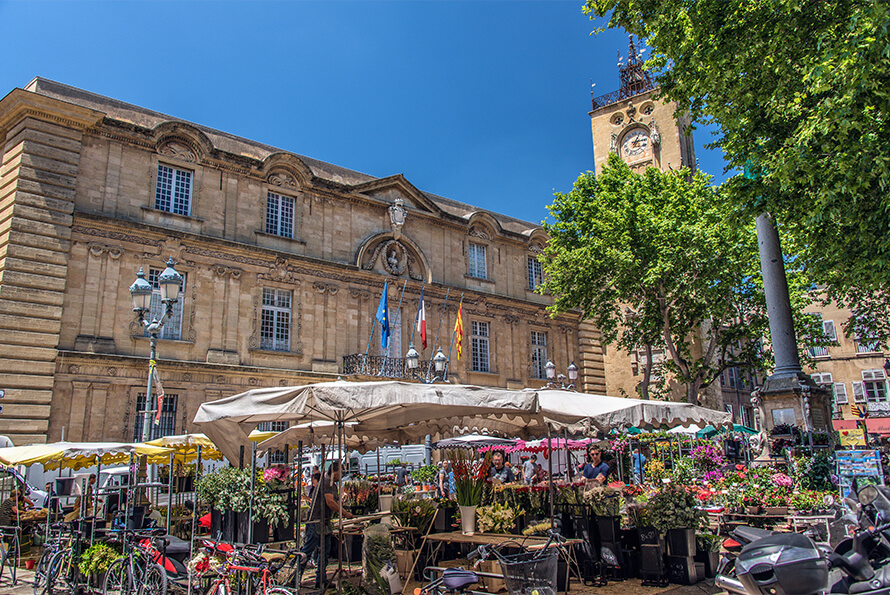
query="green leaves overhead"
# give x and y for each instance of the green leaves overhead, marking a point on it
(801, 90)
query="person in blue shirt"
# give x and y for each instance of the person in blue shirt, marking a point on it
(595, 469)
(639, 460)
(500, 471)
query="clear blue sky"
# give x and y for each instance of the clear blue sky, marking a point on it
(481, 102)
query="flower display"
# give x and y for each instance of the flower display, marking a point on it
(496, 518)
(708, 457)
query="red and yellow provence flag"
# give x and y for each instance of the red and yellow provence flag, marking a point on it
(459, 330)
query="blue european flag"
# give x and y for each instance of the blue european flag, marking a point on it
(383, 317)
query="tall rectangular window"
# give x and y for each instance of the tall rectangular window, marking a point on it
(535, 273)
(275, 323)
(172, 328)
(477, 266)
(539, 354)
(479, 343)
(280, 215)
(839, 389)
(174, 190)
(874, 385)
(829, 333)
(167, 424)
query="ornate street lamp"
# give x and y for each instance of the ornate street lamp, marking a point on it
(169, 282)
(440, 361)
(559, 381)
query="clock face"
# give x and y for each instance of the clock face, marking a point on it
(635, 143)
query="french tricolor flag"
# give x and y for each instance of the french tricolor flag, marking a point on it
(421, 321)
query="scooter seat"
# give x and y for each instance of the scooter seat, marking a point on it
(458, 578)
(751, 534)
(176, 546)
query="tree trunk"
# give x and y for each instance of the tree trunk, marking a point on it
(647, 374)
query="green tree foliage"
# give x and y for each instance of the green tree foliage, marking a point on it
(802, 90)
(654, 259)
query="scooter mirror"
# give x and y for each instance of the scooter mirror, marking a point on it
(868, 495)
(828, 500)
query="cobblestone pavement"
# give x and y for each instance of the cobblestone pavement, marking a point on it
(628, 587)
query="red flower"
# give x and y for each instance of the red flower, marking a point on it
(740, 467)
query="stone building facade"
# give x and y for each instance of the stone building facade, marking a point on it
(853, 371)
(284, 259)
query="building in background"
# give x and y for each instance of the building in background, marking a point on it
(284, 259)
(854, 371)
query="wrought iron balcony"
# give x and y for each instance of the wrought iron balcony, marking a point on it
(378, 365)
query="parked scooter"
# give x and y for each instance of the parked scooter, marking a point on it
(787, 563)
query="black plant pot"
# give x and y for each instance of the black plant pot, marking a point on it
(711, 560)
(235, 526)
(681, 542)
(650, 536)
(609, 528)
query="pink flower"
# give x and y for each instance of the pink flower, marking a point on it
(781, 480)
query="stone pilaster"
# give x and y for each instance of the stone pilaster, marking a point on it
(41, 140)
(591, 373)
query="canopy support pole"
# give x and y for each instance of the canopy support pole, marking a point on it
(340, 513)
(299, 498)
(170, 495)
(252, 491)
(550, 471)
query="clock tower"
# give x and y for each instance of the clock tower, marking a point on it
(643, 131)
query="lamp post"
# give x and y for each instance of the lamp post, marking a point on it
(550, 369)
(169, 282)
(412, 359)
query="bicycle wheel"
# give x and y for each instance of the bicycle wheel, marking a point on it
(154, 581)
(56, 575)
(41, 569)
(119, 579)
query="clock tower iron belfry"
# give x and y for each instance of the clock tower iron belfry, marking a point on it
(643, 131)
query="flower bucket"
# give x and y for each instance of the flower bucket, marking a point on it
(752, 510)
(468, 520)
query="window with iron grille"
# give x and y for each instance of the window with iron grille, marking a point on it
(280, 215)
(276, 457)
(166, 425)
(172, 328)
(477, 261)
(275, 323)
(539, 354)
(535, 272)
(174, 190)
(479, 338)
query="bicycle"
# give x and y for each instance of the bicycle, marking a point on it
(260, 571)
(11, 547)
(136, 573)
(529, 572)
(62, 572)
(54, 543)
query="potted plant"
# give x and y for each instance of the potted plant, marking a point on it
(752, 502)
(469, 481)
(673, 512)
(227, 491)
(96, 559)
(708, 552)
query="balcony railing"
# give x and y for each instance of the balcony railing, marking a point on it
(378, 365)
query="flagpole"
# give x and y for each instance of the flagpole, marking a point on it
(414, 327)
(453, 333)
(370, 338)
(438, 328)
(399, 310)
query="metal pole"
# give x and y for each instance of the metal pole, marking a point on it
(321, 569)
(252, 491)
(451, 345)
(340, 512)
(194, 514)
(149, 400)
(429, 369)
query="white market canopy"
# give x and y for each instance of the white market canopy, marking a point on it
(402, 411)
(473, 441)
